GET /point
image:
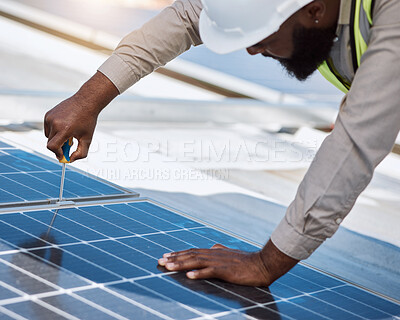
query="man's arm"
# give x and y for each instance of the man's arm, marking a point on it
(77, 116)
(157, 42)
(160, 40)
(365, 132)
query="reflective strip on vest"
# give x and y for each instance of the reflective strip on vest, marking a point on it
(330, 76)
(362, 25)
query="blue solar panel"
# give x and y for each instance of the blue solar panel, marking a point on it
(28, 177)
(4, 145)
(101, 261)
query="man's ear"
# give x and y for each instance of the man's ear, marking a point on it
(315, 13)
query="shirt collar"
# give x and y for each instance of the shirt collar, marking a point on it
(344, 14)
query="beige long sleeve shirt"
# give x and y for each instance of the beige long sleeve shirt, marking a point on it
(365, 129)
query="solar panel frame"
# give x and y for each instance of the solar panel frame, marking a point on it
(144, 283)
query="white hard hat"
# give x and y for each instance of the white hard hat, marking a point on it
(230, 25)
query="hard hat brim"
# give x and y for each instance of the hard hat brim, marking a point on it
(222, 42)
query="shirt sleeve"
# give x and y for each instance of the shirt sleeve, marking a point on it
(365, 132)
(170, 33)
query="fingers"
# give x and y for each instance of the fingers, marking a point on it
(46, 126)
(205, 273)
(215, 246)
(187, 263)
(219, 246)
(55, 143)
(82, 150)
(70, 120)
(56, 136)
(184, 252)
(194, 259)
(176, 260)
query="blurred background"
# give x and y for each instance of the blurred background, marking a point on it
(226, 139)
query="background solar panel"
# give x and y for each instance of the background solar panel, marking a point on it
(4, 145)
(101, 261)
(27, 177)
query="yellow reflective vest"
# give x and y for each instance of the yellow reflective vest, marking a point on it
(360, 23)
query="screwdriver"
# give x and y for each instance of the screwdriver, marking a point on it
(65, 159)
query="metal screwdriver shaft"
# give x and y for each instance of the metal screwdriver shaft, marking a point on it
(66, 147)
(62, 182)
(65, 159)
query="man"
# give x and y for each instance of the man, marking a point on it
(355, 44)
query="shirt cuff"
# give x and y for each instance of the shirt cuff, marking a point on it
(292, 243)
(118, 72)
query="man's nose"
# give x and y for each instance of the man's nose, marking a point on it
(256, 49)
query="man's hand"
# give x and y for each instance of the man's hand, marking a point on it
(77, 116)
(69, 119)
(245, 268)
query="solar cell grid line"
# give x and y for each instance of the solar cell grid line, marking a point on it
(6, 196)
(212, 239)
(102, 274)
(11, 295)
(56, 311)
(293, 308)
(30, 309)
(365, 298)
(185, 295)
(224, 297)
(31, 275)
(323, 308)
(287, 308)
(25, 162)
(53, 177)
(170, 310)
(120, 303)
(36, 252)
(6, 168)
(124, 212)
(43, 303)
(354, 307)
(173, 218)
(106, 223)
(209, 243)
(8, 314)
(43, 186)
(37, 188)
(15, 188)
(11, 164)
(70, 303)
(195, 307)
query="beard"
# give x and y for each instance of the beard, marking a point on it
(311, 48)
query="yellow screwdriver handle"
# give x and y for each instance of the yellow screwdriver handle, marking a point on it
(66, 148)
